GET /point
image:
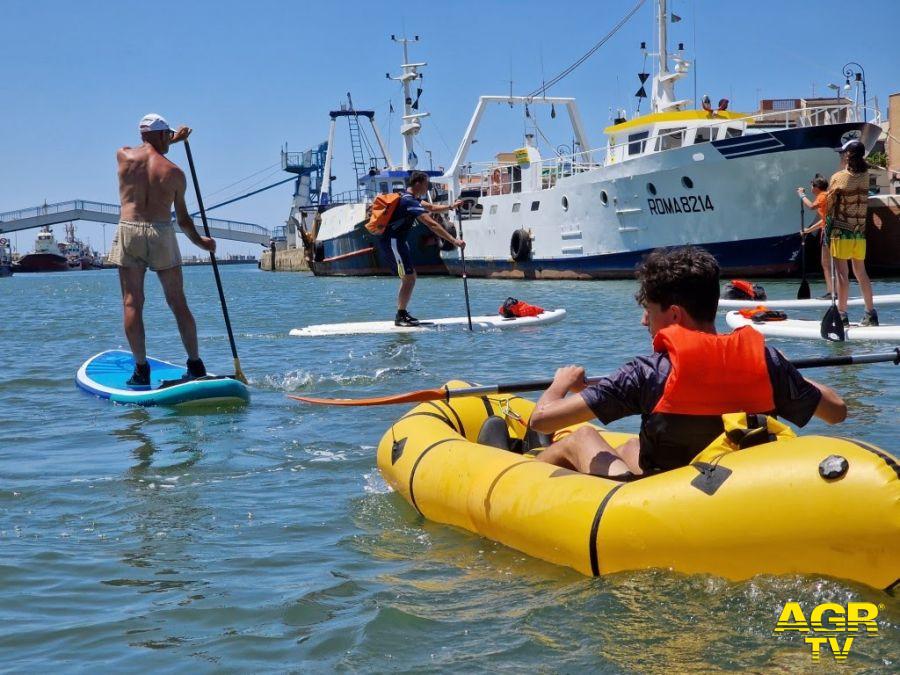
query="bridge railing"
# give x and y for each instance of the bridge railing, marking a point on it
(113, 209)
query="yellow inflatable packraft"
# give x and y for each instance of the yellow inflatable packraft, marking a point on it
(808, 504)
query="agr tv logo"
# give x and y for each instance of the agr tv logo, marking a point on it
(828, 622)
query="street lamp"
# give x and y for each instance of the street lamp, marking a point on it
(858, 73)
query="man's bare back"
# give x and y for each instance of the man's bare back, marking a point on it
(148, 184)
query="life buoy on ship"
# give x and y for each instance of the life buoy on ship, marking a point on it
(444, 244)
(496, 182)
(520, 246)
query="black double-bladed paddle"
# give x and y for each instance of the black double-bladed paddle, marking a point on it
(444, 393)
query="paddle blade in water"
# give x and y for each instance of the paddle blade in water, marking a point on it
(833, 326)
(409, 397)
(803, 292)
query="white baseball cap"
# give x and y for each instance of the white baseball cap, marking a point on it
(153, 122)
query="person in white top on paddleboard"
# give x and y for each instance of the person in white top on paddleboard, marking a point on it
(149, 185)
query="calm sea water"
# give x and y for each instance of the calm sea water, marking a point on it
(264, 539)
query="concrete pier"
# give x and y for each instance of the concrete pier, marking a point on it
(286, 260)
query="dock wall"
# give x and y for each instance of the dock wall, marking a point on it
(287, 260)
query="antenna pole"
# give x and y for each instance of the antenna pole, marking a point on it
(663, 54)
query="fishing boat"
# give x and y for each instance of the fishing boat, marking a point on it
(46, 256)
(677, 175)
(338, 243)
(79, 255)
(6, 266)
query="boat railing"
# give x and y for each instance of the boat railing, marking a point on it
(484, 179)
(347, 197)
(499, 178)
(811, 116)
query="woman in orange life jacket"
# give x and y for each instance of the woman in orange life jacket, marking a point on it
(682, 389)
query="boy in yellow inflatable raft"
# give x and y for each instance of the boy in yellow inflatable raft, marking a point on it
(682, 390)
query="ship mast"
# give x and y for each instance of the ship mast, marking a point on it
(411, 115)
(664, 81)
(661, 29)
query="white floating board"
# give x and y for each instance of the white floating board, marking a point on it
(479, 323)
(812, 303)
(797, 328)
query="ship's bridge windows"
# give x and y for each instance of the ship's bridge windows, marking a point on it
(704, 135)
(493, 209)
(383, 187)
(733, 132)
(535, 206)
(399, 185)
(669, 139)
(636, 142)
(516, 206)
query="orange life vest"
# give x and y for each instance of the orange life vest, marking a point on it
(518, 308)
(714, 374)
(762, 313)
(744, 286)
(382, 210)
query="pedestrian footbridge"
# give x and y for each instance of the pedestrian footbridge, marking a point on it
(99, 212)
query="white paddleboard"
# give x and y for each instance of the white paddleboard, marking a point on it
(479, 323)
(797, 328)
(812, 303)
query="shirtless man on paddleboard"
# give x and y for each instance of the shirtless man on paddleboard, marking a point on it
(149, 184)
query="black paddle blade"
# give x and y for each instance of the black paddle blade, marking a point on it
(803, 292)
(832, 326)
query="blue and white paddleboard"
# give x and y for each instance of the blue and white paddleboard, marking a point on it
(105, 374)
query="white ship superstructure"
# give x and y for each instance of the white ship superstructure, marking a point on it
(675, 176)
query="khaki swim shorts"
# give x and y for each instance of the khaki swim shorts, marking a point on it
(145, 245)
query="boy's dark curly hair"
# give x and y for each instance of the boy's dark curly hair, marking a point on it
(687, 276)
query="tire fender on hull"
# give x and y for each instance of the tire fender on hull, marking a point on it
(520, 246)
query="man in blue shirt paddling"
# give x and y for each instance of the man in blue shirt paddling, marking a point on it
(394, 247)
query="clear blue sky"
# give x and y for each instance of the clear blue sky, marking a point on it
(250, 76)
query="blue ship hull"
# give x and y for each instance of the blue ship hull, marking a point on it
(768, 257)
(356, 254)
